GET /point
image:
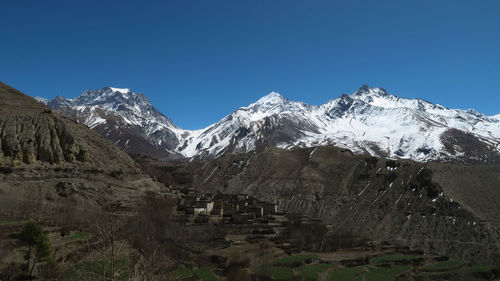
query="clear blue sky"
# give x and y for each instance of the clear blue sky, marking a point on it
(199, 60)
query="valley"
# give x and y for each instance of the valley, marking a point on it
(250, 140)
(269, 213)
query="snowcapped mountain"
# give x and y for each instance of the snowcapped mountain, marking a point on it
(125, 117)
(367, 121)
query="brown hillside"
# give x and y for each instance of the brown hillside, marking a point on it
(45, 158)
(441, 208)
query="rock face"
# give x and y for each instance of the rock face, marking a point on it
(413, 204)
(47, 137)
(47, 157)
(368, 121)
(30, 132)
(40, 137)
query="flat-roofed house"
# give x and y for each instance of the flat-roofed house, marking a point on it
(203, 207)
(270, 208)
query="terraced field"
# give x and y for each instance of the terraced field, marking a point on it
(389, 267)
(205, 274)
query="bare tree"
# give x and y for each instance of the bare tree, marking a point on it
(153, 232)
(108, 229)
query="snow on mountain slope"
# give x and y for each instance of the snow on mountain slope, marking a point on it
(42, 100)
(252, 127)
(125, 117)
(367, 121)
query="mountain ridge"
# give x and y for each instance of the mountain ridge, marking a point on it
(369, 120)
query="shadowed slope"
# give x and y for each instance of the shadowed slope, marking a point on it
(441, 208)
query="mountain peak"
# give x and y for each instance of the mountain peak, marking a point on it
(273, 98)
(119, 90)
(105, 95)
(366, 90)
(107, 91)
(41, 100)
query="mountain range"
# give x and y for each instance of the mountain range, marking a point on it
(367, 121)
(60, 171)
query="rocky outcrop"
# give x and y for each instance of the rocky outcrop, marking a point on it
(46, 158)
(30, 132)
(48, 137)
(39, 137)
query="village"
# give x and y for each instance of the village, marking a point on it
(246, 219)
(225, 208)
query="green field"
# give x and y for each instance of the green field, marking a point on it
(389, 267)
(311, 272)
(393, 258)
(480, 268)
(307, 273)
(295, 259)
(281, 273)
(320, 267)
(76, 235)
(345, 273)
(181, 273)
(450, 264)
(386, 274)
(205, 274)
